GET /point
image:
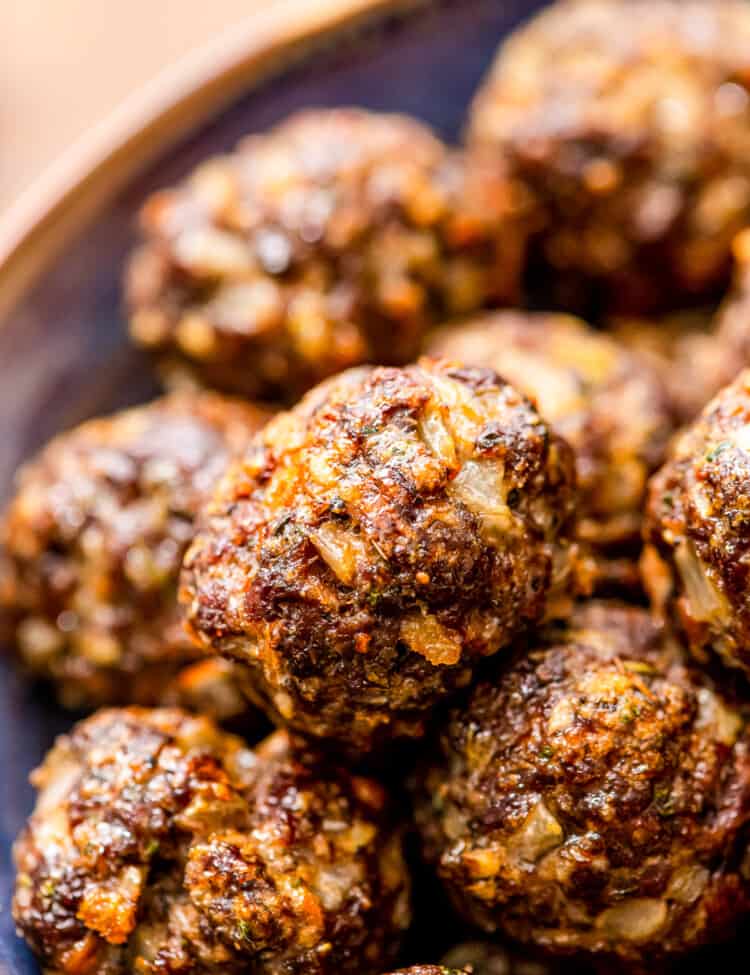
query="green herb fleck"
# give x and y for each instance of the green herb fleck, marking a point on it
(546, 752)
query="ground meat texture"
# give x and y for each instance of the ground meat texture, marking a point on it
(695, 565)
(92, 542)
(609, 406)
(376, 542)
(334, 239)
(595, 797)
(160, 844)
(629, 122)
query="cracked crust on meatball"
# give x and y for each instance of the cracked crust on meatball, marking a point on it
(611, 408)
(695, 565)
(334, 239)
(629, 122)
(595, 797)
(91, 546)
(376, 542)
(160, 844)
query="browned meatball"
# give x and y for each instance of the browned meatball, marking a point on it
(696, 566)
(376, 542)
(91, 545)
(332, 240)
(609, 406)
(595, 797)
(629, 122)
(161, 845)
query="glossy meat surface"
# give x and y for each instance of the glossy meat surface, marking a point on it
(377, 541)
(160, 844)
(595, 797)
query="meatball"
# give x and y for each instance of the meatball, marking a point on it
(92, 545)
(595, 797)
(610, 407)
(629, 123)
(696, 565)
(332, 240)
(160, 844)
(376, 542)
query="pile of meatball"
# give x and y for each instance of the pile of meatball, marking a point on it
(484, 564)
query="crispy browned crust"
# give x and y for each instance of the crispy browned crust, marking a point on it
(93, 540)
(376, 542)
(630, 124)
(161, 845)
(332, 240)
(595, 797)
(611, 408)
(697, 564)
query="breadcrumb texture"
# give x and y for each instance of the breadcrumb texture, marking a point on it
(377, 541)
(160, 844)
(595, 797)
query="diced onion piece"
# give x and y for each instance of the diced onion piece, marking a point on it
(636, 919)
(465, 413)
(539, 834)
(423, 634)
(479, 485)
(340, 549)
(687, 884)
(715, 716)
(435, 433)
(707, 602)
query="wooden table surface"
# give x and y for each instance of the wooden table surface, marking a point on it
(67, 64)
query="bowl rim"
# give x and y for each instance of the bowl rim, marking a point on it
(181, 97)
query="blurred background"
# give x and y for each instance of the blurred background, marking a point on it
(67, 64)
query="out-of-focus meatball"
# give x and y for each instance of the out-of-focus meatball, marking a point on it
(92, 543)
(610, 407)
(687, 351)
(332, 240)
(485, 958)
(161, 845)
(595, 797)
(376, 541)
(630, 124)
(696, 565)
